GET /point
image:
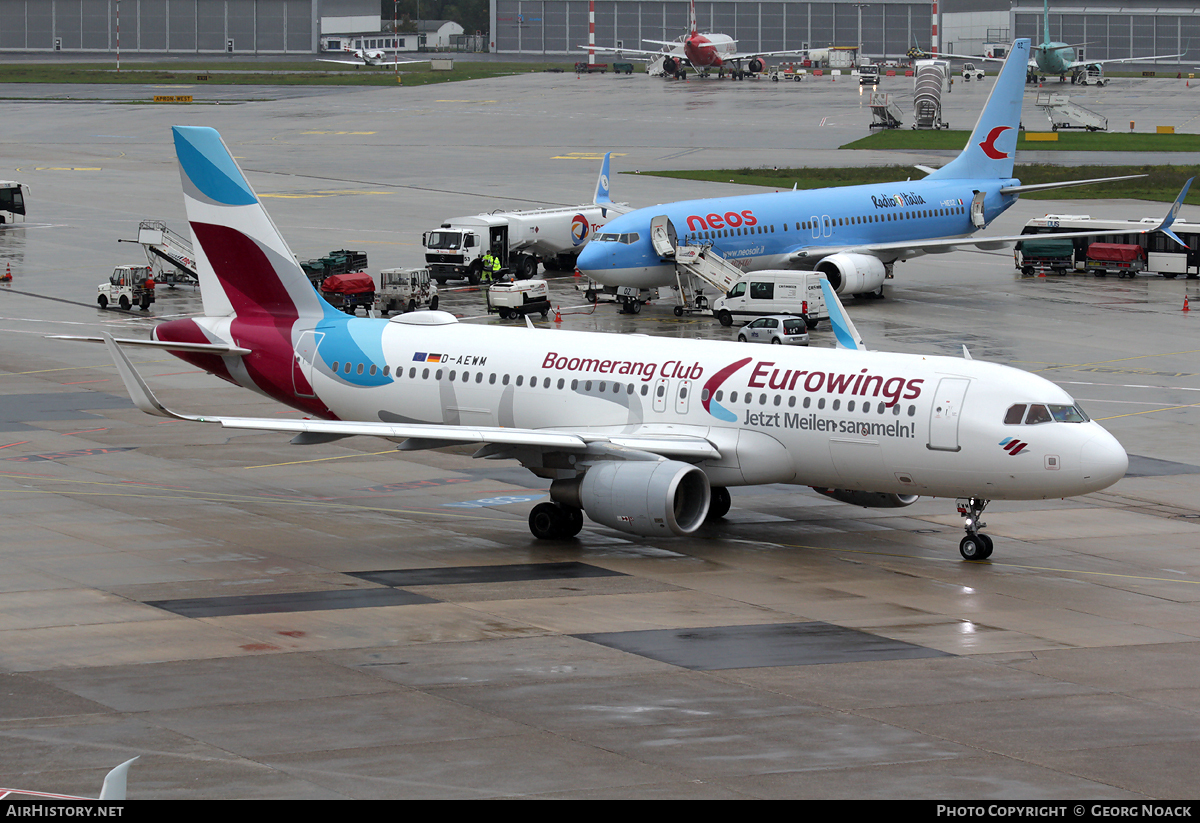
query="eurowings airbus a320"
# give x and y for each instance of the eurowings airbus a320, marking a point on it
(643, 435)
(851, 234)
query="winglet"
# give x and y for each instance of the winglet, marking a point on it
(1165, 225)
(844, 333)
(602, 197)
(139, 392)
(114, 782)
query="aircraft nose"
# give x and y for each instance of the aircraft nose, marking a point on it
(1103, 461)
(590, 258)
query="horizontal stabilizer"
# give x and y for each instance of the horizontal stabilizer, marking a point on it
(1066, 184)
(199, 348)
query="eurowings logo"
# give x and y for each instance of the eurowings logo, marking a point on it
(579, 229)
(710, 388)
(989, 144)
(1013, 446)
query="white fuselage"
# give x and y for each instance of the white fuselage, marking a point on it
(871, 421)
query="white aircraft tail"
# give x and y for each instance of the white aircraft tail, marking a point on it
(242, 261)
(844, 333)
(993, 145)
(603, 197)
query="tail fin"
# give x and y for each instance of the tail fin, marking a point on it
(1165, 225)
(602, 196)
(243, 264)
(993, 145)
(844, 334)
(692, 28)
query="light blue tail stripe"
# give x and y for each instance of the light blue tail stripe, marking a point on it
(836, 319)
(208, 164)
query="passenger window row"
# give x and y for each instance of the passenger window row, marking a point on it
(455, 376)
(764, 399)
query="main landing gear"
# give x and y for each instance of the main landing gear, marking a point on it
(976, 545)
(554, 521)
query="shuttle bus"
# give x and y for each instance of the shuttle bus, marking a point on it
(12, 202)
(1163, 255)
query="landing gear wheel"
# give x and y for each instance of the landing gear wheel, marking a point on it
(550, 521)
(718, 503)
(574, 521)
(977, 547)
(679, 311)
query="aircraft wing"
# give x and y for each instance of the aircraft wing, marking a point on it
(620, 52)
(392, 62)
(918, 247)
(1078, 64)
(431, 436)
(747, 55)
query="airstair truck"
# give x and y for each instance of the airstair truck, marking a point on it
(521, 239)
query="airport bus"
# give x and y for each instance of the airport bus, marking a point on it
(1163, 255)
(12, 202)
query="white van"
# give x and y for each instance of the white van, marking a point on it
(763, 293)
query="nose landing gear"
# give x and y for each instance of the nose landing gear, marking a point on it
(976, 545)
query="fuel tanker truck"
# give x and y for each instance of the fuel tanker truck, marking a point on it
(520, 239)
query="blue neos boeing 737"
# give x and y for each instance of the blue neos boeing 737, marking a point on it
(852, 234)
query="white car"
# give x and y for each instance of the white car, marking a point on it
(781, 329)
(970, 73)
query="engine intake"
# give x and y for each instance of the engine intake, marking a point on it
(756, 66)
(646, 498)
(870, 500)
(850, 273)
(670, 65)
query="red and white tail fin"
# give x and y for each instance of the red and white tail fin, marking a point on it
(243, 263)
(692, 27)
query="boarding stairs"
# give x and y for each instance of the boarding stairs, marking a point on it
(692, 263)
(886, 113)
(931, 79)
(169, 252)
(1063, 114)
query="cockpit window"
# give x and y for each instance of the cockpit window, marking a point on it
(1068, 414)
(1037, 414)
(1044, 413)
(1015, 415)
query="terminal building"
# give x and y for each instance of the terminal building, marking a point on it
(882, 28)
(181, 26)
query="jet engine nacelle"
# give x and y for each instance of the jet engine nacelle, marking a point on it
(756, 65)
(869, 500)
(670, 65)
(850, 273)
(661, 498)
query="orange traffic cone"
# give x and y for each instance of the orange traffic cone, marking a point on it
(1185, 303)
(7, 273)
(557, 315)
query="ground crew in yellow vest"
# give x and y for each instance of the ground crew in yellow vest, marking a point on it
(485, 273)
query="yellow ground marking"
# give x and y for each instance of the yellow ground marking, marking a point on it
(312, 194)
(585, 155)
